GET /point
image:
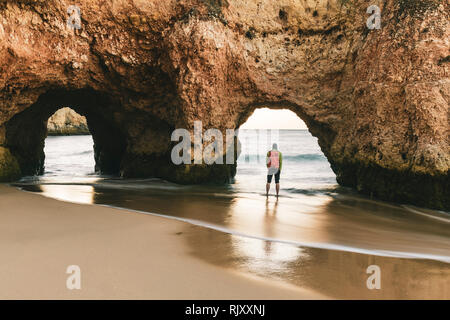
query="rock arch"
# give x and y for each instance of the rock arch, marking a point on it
(26, 131)
(377, 100)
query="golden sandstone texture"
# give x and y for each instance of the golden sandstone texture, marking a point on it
(378, 100)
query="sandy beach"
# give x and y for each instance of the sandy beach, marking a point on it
(121, 254)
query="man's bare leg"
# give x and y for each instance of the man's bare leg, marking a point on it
(267, 189)
(278, 188)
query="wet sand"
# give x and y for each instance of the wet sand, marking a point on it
(126, 254)
(338, 274)
(122, 255)
(336, 221)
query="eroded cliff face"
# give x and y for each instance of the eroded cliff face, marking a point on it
(378, 100)
(65, 121)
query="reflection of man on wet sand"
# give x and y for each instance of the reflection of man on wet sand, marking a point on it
(269, 226)
(274, 163)
(271, 212)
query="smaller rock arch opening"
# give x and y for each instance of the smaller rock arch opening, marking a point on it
(304, 165)
(27, 131)
(69, 145)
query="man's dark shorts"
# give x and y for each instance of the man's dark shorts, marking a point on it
(277, 177)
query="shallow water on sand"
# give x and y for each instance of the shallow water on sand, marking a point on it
(315, 234)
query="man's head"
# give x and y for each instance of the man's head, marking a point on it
(274, 146)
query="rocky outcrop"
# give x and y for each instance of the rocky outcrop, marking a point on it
(9, 167)
(378, 100)
(65, 121)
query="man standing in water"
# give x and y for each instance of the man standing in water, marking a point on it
(274, 163)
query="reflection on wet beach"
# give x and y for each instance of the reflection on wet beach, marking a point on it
(335, 273)
(345, 222)
(342, 220)
(76, 194)
(325, 243)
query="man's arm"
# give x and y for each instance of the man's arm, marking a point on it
(281, 160)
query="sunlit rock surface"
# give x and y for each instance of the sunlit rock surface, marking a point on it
(378, 100)
(65, 121)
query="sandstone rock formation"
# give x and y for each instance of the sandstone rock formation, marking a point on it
(378, 100)
(65, 121)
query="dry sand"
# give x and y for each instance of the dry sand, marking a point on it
(122, 255)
